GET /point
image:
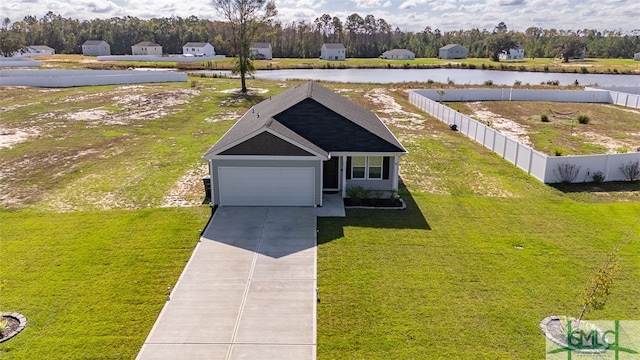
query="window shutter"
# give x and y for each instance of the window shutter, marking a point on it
(385, 167)
(348, 170)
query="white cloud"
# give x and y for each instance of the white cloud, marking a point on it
(366, 4)
(387, 4)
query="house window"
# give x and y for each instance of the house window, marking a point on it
(358, 167)
(363, 167)
(375, 167)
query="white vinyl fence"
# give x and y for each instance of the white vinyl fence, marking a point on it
(542, 167)
(69, 78)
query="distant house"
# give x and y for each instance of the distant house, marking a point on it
(453, 51)
(36, 50)
(146, 48)
(581, 55)
(333, 52)
(261, 51)
(398, 54)
(198, 49)
(96, 48)
(636, 56)
(517, 53)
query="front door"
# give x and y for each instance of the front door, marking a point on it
(330, 173)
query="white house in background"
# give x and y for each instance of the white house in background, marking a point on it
(36, 50)
(453, 51)
(146, 48)
(198, 49)
(517, 53)
(636, 56)
(261, 51)
(96, 48)
(333, 52)
(398, 54)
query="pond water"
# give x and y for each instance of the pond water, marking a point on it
(458, 76)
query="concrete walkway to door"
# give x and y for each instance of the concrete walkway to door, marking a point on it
(248, 291)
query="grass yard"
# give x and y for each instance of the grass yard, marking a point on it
(610, 128)
(91, 284)
(596, 66)
(99, 212)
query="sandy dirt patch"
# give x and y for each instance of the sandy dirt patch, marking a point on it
(136, 106)
(393, 113)
(506, 126)
(181, 194)
(611, 144)
(223, 116)
(9, 138)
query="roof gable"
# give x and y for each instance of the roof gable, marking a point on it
(266, 143)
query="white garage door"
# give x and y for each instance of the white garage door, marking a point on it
(267, 186)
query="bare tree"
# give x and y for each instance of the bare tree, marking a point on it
(245, 18)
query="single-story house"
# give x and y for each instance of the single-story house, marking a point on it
(517, 53)
(261, 51)
(96, 48)
(36, 50)
(636, 56)
(288, 149)
(198, 49)
(453, 51)
(146, 48)
(398, 54)
(333, 52)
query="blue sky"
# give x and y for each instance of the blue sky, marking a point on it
(408, 15)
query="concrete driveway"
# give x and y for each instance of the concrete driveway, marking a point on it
(248, 291)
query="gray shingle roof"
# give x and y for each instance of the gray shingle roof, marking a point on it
(450, 46)
(93, 42)
(264, 115)
(146, 43)
(195, 44)
(334, 46)
(398, 52)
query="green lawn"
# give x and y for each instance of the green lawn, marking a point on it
(441, 279)
(91, 284)
(600, 66)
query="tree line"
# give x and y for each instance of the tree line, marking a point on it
(364, 37)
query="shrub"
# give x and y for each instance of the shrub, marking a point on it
(517, 83)
(584, 70)
(546, 68)
(567, 172)
(598, 177)
(631, 170)
(583, 119)
(558, 151)
(544, 118)
(623, 150)
(357, 193)
(488, 83)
